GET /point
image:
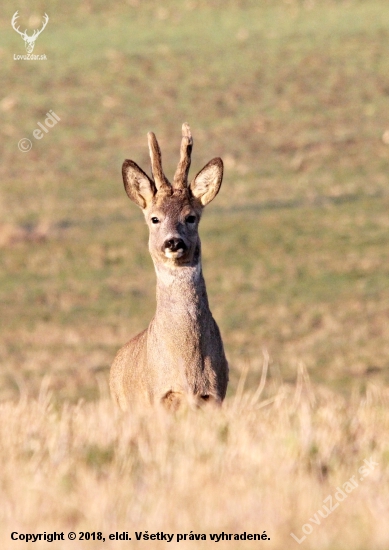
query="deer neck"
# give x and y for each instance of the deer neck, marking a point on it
(181, 295)
(179, 332)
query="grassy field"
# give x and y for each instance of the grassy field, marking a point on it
(294, 96)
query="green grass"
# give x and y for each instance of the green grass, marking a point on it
(292, 95)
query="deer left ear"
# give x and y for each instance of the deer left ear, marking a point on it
(139, 187)
(206, 184)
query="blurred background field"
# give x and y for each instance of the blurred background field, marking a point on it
(294, 96)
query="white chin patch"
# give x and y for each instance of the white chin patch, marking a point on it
(174, 255)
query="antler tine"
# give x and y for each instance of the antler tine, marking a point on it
(45, 21)
(13, 23)
(156, 162)
(181, 175)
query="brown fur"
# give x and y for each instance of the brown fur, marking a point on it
(180, 356)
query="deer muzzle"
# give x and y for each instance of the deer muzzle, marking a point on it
(174, 248)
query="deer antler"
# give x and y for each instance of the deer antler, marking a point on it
(160, 179)
(13, 22)
(45, 20)
(24, 34)
(181, 175)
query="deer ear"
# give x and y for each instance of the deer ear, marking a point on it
(207, 183)
(139, 187)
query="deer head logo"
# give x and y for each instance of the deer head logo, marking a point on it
(29, 40)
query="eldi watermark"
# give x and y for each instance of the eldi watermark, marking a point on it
(331, 504)
(51, 120)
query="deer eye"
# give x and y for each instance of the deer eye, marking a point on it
(154, 220)
(190, 219)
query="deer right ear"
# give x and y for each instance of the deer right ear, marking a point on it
(139, 187)
(207, 183)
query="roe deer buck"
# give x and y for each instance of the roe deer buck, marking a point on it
(180, 356)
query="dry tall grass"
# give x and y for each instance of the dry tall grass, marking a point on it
(255, 465)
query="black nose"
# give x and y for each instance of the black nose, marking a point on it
(175, 244)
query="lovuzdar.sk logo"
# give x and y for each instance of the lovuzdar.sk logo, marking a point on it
(29, 40)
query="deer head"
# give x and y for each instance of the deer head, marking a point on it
(173, 211)
(29, 40)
